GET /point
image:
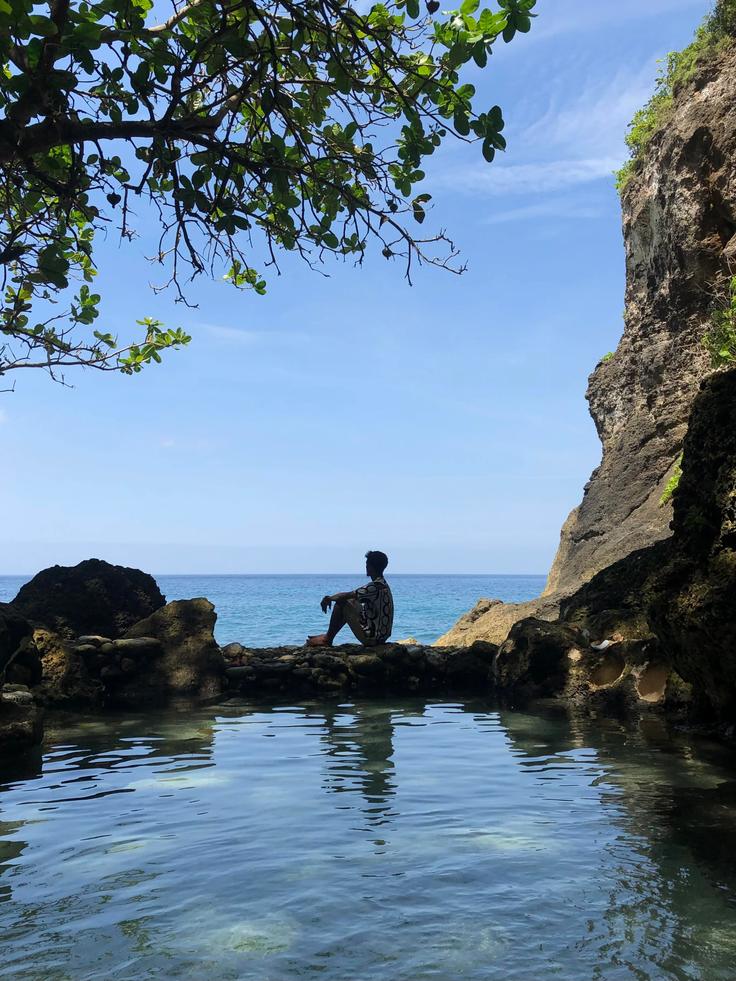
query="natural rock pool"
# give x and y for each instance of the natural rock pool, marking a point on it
(396, 840)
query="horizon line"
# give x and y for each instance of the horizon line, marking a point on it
(203, 575)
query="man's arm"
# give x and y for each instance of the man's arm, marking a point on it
(327, 601)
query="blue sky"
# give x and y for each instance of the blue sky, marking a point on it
(444, 423)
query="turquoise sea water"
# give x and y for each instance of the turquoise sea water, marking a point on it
(264, 610)
(367, 841)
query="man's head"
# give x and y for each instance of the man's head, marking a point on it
(375, 563)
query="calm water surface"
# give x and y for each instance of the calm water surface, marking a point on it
(265, 610)
(396, 840)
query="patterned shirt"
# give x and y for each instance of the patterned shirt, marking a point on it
(377, 609)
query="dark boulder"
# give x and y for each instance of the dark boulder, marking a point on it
(536, 656)
(93, 597)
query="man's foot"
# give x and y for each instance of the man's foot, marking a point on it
(319, 640)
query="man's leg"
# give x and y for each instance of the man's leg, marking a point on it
(353, 614)
(337, 622)
(344, 611)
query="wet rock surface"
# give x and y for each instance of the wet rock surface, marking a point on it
(93, 597)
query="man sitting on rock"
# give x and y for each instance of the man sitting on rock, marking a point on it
(368, 611)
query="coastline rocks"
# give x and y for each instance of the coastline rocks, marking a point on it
(92, 597)
(535, 657)
(68, 678)
(19, 659)
(21, 722)
(613, 676)
(187, 660)
(490, 620)
(389, 668)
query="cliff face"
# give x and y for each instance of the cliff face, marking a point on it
(679, 220)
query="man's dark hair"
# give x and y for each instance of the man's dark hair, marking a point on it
(377, 561)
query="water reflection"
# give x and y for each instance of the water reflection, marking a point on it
(359, 749)
(413, 839)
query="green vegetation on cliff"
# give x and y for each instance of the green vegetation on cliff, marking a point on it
(715, 34)
(672, 484)
(720, 339)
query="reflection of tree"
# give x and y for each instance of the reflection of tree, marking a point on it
(359, 749)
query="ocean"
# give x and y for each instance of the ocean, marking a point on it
(262, 611)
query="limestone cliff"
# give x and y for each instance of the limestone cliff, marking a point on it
(679, 220)
(679, 215)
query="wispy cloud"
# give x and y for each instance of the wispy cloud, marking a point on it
(568, 16)
(593, 123)
(530, 178)
(563, 143)
(246, 337)
(560, 208)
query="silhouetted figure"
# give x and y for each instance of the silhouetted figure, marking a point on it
(368, 611)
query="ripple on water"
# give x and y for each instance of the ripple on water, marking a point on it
(366, 840)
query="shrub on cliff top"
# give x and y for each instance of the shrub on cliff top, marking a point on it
(249, 126)
(717, 32)
(720, 338)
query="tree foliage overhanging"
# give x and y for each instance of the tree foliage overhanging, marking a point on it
(248, 126)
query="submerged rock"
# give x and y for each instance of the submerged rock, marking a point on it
(92, 597)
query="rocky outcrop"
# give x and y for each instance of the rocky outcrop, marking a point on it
(92, 597)
(658, 627)
(172, 653)
(190, 662)
(679, 220)
(536, 656)
(387, 669)
(490, 620)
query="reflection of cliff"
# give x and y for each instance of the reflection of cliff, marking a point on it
(672, 867)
